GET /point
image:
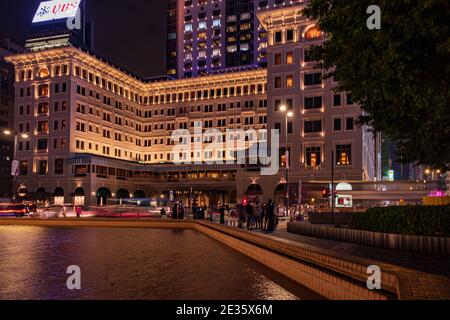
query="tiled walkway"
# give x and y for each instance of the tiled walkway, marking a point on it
(424, 263)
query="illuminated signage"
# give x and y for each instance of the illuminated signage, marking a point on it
(57, 9)
(344, 201)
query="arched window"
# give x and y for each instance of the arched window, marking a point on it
(313, 33)
(43, 73)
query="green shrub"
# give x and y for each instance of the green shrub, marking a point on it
(410, 220)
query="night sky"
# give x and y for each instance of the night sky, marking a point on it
(129, 33)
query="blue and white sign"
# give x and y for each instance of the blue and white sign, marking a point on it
(55, 10)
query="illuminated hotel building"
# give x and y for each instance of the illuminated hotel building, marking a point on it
(210, 36)
(95, 132)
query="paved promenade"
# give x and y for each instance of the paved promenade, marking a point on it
(439, 265)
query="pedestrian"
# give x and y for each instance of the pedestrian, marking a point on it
(181, 211)
(241, 214)
(222, 215)
(78, 211)
(233, 217)
(271, 212)
(175, 211)
(250, 217)
(163, 213)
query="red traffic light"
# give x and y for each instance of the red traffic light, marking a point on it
(326, 193)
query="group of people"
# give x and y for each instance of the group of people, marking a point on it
(263, 216)
(259, 216)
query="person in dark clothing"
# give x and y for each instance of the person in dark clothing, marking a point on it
(250, 216)
(175, 211)
(271, 216)
(222, 215)
(181, 211)
(163, 213)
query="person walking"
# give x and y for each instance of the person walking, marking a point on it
(181, 211)
(250, 217)
(241, 215)
(271, 212)
(222, 214)
(163, 213)
(175, 211)
(233, 217)
(78, 211)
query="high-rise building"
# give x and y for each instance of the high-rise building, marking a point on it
(210, 36)
(7, 47)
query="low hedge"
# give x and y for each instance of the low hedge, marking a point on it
(409, 220)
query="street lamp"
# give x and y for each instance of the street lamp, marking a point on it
(8, 132)
(288, 114)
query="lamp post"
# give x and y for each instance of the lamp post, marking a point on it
(8, 132)
(288, 114)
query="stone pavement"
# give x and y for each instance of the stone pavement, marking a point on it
(438, 265)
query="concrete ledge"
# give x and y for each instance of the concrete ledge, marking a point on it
(102, 223)
(421, 244)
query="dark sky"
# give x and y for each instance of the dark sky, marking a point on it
(130, 33)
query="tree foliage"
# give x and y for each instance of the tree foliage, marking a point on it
(399, 74)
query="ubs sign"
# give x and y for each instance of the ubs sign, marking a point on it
(57, 9)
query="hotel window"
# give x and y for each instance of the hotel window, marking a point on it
(290, 104)
(232, 18)
(313, 126)
(277, 105)
(43, 90)
(42, 127)
(278, 36)
(289, 81)
(202, 25)
(289, 58)
(245, 47)
(313, 33)
(59, 166)
(216, 52)
(344, 154)
(23, 168)
(337, 100)
(245, 16)
(313, 103)
(349, 124)
(188, 56)
(349, 99)
(337, 124)
(290, 35)
(312, 79)
(202, 35)
(290, 127)
(43, 108)
(313, 156)
(202, 54)
(42, 144)
(277, 59)
(232, 48)
(42, 167)
(308, 56)
(277, 83)
(216, 23)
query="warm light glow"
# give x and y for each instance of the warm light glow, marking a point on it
(283, 108)
(7, 132)
(24, 136)
(290, 114)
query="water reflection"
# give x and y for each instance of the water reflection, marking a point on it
(132, 264)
